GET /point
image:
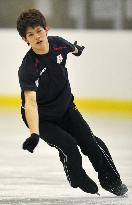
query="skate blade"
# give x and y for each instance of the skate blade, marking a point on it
(125, 195)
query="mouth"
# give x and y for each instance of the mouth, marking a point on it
(39, 42)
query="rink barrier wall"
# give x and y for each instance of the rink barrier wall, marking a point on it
(101, 78)
(103, 71)
(95, 106)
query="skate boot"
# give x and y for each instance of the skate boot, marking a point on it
(88, 185)
(115, 187)
(118, 190)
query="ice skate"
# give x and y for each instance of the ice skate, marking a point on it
(88, 185)
(120, 190)
(117, 188)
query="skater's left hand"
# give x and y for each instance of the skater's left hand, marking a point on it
(31, 142)
(79, 48)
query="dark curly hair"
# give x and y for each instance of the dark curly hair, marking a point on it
(31, 17)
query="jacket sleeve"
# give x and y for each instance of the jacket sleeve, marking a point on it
(66, 44)
(26, 79)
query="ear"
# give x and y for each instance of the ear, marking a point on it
(46, 29)
(25, 40)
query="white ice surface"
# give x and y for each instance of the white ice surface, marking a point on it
(39, 179)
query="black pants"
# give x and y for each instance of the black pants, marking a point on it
(71, 131)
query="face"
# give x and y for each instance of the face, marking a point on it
(37, 38)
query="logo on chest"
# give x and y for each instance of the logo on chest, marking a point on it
(42, 71)
(59, 59)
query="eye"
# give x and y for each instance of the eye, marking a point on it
(39, 30)
(30, 34)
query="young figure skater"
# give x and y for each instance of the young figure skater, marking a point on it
(49, 111)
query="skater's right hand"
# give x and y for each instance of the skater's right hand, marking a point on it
(31, 142)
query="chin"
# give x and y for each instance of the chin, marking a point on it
(40, 47)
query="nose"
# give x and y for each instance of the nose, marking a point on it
(37, 36)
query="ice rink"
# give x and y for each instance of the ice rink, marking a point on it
(39, 179)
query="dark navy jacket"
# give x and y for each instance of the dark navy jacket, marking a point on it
(47, 75)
